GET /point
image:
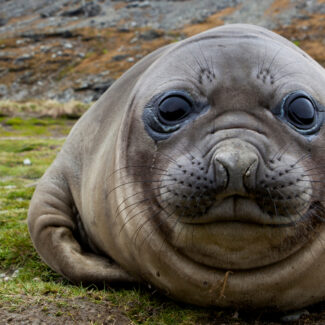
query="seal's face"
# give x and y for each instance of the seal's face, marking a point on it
(234, 130)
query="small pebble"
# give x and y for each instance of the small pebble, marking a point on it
(15, 274)
(27, 162)
(68, 46)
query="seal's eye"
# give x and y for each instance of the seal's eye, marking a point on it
(168, 112)
(301, 112)
(173, 109)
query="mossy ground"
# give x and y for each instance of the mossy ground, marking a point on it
(29, 290)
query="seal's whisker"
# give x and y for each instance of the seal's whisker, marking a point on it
(208, 67)
(264, 59)
(312, 181)
(172, 160)
(292, 169)
(213, 68)
(281, 152)
(140, 212)
(134, 166)
(275, 208)
(186, 69)
(274, 57)
(155, 228)
(189, 67)
(319, 173)
(199, 63)
(301, 158)
(186, 154)
(142, 181)
(165, 176)
(197, 149)
(289, 74)
(283, 67)
(315, 167)
(288, 214)
(141, 201)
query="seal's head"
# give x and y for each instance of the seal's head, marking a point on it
(224, 148)
(200, 171)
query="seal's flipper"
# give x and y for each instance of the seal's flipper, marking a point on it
(52, 224)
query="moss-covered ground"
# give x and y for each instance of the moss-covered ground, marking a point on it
(30, 292)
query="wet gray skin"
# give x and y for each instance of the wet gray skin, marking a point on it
(199, 171)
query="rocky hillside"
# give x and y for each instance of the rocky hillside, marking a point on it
(75, 49)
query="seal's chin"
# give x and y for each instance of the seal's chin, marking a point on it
(238, 208)
(236, 235)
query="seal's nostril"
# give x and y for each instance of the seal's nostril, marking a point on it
(239, 162)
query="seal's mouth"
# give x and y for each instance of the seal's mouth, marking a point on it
(242, 237)
(237, 208)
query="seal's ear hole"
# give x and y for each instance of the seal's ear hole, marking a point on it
(173, 109)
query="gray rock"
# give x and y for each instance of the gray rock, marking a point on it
(68, 46)
(101, 87)
(144, 4)
(26, 78)
(26, 56)
(23, 58)
(90, 9)
(65, 96)
(49, 12)
(120, 57)
(3, 21)
(123, 29)
(150, 35)
(45, 48)
(133, 5)
(20, 41)
(3, 90)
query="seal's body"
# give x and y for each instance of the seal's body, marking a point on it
(199, 171)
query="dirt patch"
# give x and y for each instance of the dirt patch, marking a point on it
(62, 311)
(277, 6)
(211, 22)
(308, 34)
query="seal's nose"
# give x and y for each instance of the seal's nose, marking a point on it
(236, 162)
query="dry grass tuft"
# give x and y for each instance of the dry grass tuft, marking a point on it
(43, 108)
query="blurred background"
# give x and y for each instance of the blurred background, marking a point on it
(74, 49)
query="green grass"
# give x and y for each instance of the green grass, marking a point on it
(30, 126)
(40, 140)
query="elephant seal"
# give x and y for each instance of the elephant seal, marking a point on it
(200, 171)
